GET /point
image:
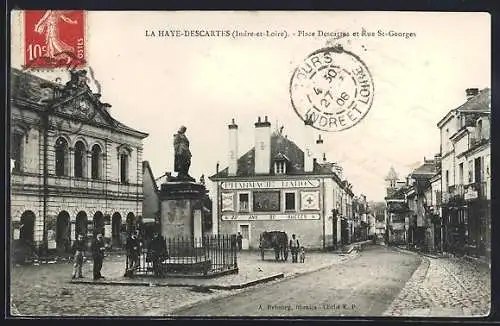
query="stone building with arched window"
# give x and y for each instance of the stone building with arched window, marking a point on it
(75, 169)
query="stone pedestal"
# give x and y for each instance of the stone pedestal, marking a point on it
(181, 204)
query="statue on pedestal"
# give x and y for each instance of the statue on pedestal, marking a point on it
(182, 160)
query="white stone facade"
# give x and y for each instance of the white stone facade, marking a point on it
(92, 173)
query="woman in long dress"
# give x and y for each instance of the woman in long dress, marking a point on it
(49, 24)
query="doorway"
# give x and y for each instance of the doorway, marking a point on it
(27, 227)
(245, 233)
(98, 226)
(63, 232)
(116, 222)
(81, 224)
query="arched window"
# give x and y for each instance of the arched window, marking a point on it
(96, 162)
(62, 158)
(80, 159)
(124, 152)
(124, 168)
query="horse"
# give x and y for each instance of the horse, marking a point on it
(276, 240)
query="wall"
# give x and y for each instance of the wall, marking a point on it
(151, 203)
(462, 144)
(309, 232)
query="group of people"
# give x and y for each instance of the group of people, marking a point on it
(97, 248)
(157, 252)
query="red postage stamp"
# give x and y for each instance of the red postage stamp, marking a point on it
(54, 38)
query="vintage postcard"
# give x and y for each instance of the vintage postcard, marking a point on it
(271, 164)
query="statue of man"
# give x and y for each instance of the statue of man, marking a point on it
(182, 160)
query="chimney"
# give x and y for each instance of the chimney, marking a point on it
(262, 146)
(437, 161)
(471, 92)
(233, 149)
(318, 152)
(309, 148)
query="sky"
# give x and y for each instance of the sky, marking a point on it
(156, 84)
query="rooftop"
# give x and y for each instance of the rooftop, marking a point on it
(33, 92)
(283, 149)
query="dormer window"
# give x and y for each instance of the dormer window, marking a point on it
(280, 167)
(280, 163)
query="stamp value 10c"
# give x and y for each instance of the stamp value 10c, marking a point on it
(54, 38)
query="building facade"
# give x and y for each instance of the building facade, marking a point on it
(76, 170)
(276, 186)
(397, 209)
(465, 179)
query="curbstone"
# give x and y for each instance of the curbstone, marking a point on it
(209, 286)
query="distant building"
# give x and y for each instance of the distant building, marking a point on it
(151, 202)
(277, 186)
(396, 209)
(420, 229)
(76, 170)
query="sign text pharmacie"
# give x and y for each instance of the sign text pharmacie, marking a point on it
(269, 217)
(269, 184)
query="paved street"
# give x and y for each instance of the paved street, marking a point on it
(45, 290)
(377, 281)
(364, 286)
(445, 287)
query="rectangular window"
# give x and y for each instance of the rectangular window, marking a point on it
(244, 202)
(16, 148)
(268, 201)
(124, 168)
(461, 173)
(290, 201)
(471, 171)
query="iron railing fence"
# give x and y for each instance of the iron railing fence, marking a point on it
(187, 256)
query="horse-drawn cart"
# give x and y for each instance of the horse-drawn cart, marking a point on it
(276, 240)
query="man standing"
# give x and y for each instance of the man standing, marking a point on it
(133, 252)
(98, 249)
(79, 251)
(158, 249)
(239, 241)
(294, 248)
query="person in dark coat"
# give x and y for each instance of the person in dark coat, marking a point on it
(294, 248)
(98, 249)
(239, 241)
(133, 251)
(78, 249)
(157, 248)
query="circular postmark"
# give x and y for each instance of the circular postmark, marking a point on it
(332, 89)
